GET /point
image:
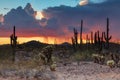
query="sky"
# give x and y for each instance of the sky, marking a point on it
(37, 4)
(52, 21)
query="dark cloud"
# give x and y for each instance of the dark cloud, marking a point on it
(19, 17)
(6, 8)
(26, 24)
(94, 15)
(43, 22)
(29, 10)
(59, 21)
(52, 23)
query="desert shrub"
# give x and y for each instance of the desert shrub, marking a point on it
(53, 66)
(82, 55)
(118, 63)
(5, 52)
(44, 55)
(111, 63)
(98, 58)
(40, 59)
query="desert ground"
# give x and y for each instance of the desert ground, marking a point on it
(70, 64)
(84, 71)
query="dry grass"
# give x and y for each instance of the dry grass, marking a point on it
(82, 55)
(7, 64)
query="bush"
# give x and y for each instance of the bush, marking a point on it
(82, 55)
(111, 63)
(98, 58)
(53, 66)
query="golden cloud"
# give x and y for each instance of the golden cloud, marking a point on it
(83, 2)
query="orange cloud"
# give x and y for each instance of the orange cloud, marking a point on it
(83, 2)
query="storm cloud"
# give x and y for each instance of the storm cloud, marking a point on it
(93, 14)
(60, 20)
(26, 23)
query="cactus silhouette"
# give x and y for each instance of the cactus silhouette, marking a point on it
(87, 39)
(73, 43)
(76, 37)
(98, 41)
(102, 37)
(98, 36)
(106, 35)
(81, 31)
(13, 39)
(91, 37)
(95, 38)
(102, 41)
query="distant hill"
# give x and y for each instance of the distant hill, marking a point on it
(34, 43)
(115, 47)
(65, 44)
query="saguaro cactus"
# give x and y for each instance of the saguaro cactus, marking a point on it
(13, 39)
(98, 36)
(102, 37)
(73, 43)
(102, 41)
(106, 35)
(91, 37)
(87, 39)
(98, 41)
(95, 38)
(81, 31)
(76, 37)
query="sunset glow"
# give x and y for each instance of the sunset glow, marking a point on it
(39, 15)
(49, 40)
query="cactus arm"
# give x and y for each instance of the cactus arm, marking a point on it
(110, 38)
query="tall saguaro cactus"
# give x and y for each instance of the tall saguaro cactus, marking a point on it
(75, 39)
(13, 39)
(95, 38)
(81, 31)
(91, 37)
(73, 43)
(98, 36)
(98, 40)
(106, 35)
(87, 39)
(76, 36)
(102, 37)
